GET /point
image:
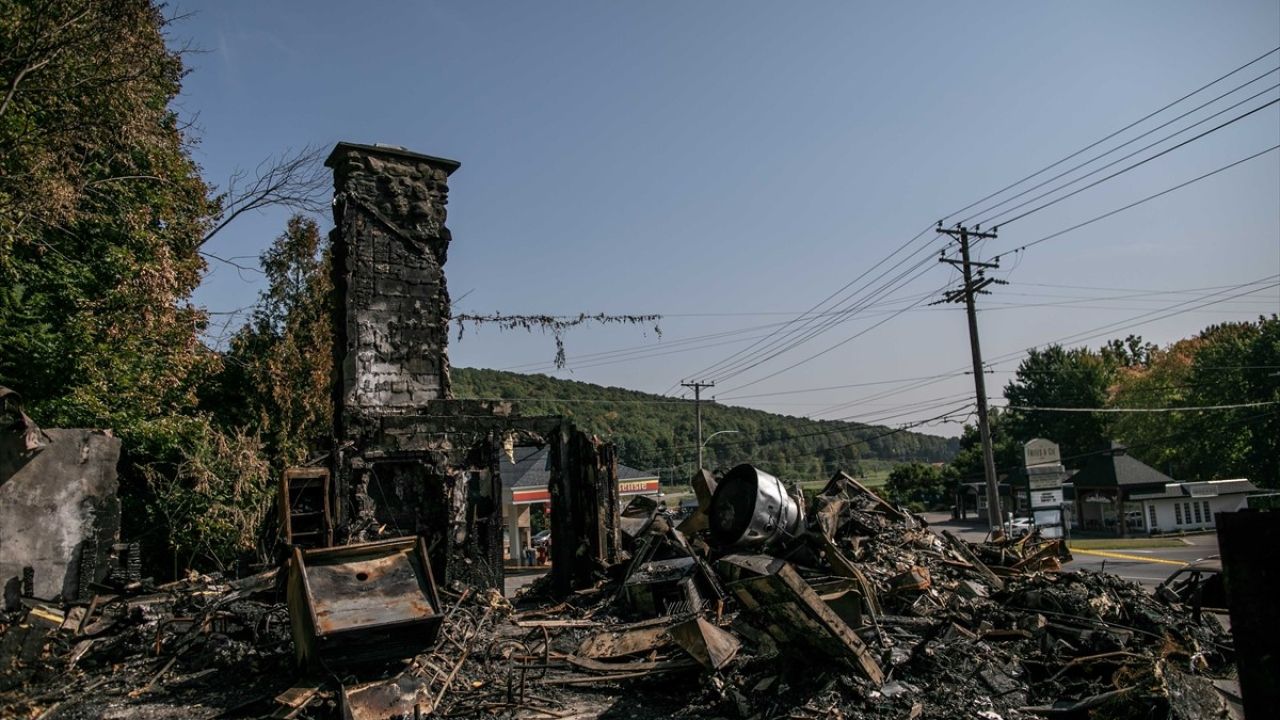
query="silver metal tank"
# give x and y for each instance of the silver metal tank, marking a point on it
(751, 510)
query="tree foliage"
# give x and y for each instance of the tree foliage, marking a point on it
(277, 375)
(1227, 364)
(918, 486)
(1057, 377)
(101, 211)
(656, 432)
(1178, 392)
(967, 465)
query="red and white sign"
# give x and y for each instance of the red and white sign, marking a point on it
(529, 496)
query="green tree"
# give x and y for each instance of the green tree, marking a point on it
(1227, 364)
(277, 376)
(101, 214)
(967, 465)
(1162, 381)
(1058, 377)
(1236, 364)
(918, 486)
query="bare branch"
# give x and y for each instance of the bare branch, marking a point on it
(295, 180)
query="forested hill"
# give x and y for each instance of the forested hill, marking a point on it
(657, 433)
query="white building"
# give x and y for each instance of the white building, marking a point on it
(1192, 505)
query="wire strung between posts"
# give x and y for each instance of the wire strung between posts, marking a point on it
(1133, 124)
(1136, 203)
(1124, 170)
(1143, 410)
(1033, 188)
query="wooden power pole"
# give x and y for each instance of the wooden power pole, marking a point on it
(697, 403)
(972, 287)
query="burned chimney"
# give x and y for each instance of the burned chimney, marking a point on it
(390, 244)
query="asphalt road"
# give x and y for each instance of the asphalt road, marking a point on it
(1148, 566)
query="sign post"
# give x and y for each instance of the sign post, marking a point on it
(1045, 474)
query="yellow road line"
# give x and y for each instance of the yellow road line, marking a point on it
(1126, 556)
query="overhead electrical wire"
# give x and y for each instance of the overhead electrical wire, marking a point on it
(792, 333)
(1136, 138)
(748, 363)
(727, 368)
(1136, 203)
(1237, 406)
(996, 221)
(1096, 143)
(1108, 328)
(806, 321)
(1137, 446)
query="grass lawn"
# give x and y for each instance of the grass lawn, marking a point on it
(1126, 543)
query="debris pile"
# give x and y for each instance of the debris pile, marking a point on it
(183, 649)
(755, 606)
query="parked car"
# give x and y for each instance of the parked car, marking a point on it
(1021, 526)
(1199, 584)
(542, 538)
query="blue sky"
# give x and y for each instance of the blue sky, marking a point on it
(727, 163)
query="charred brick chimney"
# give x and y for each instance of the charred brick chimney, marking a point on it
(392, 311)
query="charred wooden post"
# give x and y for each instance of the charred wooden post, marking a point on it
(1247, 541)
(585, 522)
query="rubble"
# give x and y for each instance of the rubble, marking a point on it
(859, 610)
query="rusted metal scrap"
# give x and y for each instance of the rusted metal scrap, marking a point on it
(358, 603)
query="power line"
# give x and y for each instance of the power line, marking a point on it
(828, 387)
(1156, 441)
(1029, 408)
(1124, 170)
(667, 347)
(1126, 143)
(738, 368)
(1131, 125)
(728, 367)
(773, 345)
(1134, 204)
(1108, 328)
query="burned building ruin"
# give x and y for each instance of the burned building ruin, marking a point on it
(408, 458)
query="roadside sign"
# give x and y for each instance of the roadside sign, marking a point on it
(1045, 473)
(1041, 452)
(1046, 499)
(1045, 481)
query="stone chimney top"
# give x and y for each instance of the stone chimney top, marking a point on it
(342, 149)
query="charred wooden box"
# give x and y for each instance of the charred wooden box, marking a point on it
(362, 603)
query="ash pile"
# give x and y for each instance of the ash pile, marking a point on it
(754, 606)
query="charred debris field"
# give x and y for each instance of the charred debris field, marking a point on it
(847, 608)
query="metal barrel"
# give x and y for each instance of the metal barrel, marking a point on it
(751, 510)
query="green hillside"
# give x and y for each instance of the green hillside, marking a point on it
(657, 433)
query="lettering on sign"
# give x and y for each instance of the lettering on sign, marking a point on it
(1046, 498)
(637, 486)
(1044, 482)
(1041, 452)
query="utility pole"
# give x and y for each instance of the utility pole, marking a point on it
(697, 403)
(972, 287)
